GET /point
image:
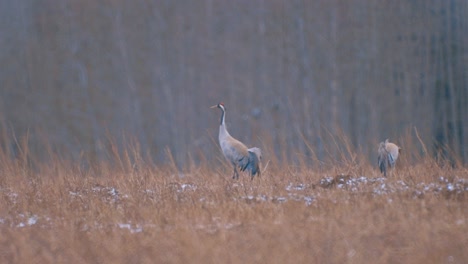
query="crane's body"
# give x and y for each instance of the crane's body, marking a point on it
(387, 156)
(235, 151)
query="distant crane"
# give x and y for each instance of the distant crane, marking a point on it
(388, 155)
(236, 152)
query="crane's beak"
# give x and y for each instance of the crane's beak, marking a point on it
(214, 106)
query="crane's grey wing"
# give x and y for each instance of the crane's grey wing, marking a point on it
(235, 152)
(243, 162)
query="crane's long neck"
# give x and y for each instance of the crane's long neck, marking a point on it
(222, 127)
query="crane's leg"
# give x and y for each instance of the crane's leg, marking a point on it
(236, 174)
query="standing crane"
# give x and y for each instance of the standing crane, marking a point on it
(235, 151)
(388, 155)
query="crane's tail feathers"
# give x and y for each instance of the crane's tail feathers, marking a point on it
(257, 152)
(255, 155)
(254, 163)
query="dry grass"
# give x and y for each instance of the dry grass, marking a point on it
(140, 213)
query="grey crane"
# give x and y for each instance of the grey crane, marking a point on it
(235, 151)
(387, 156)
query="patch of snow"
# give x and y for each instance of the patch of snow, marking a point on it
(188, 186)
(136, 229)
(308, 200)
(417, 194)
(296, 187)
(74, 193)
(262, 198)
(149, 191)
(281, 199)
(249, 197)
(32, 220)
(295, 197)
(13, 197)
(112, 191)
(326, 180)
(362, 179)
(403, 185)
(450, 187)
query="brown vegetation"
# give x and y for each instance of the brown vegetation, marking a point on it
(134, 212)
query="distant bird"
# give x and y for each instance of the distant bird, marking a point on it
(235, 151)
(388, 155)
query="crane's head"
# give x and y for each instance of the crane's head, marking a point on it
(220, 106)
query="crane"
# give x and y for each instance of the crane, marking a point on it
(387, 156)
(235, 151)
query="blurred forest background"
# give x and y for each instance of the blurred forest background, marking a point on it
(78, 75)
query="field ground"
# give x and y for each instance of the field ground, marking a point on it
(62, 214)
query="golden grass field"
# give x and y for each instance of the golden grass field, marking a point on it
(141, 213)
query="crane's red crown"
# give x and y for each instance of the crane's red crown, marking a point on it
(220, 105)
